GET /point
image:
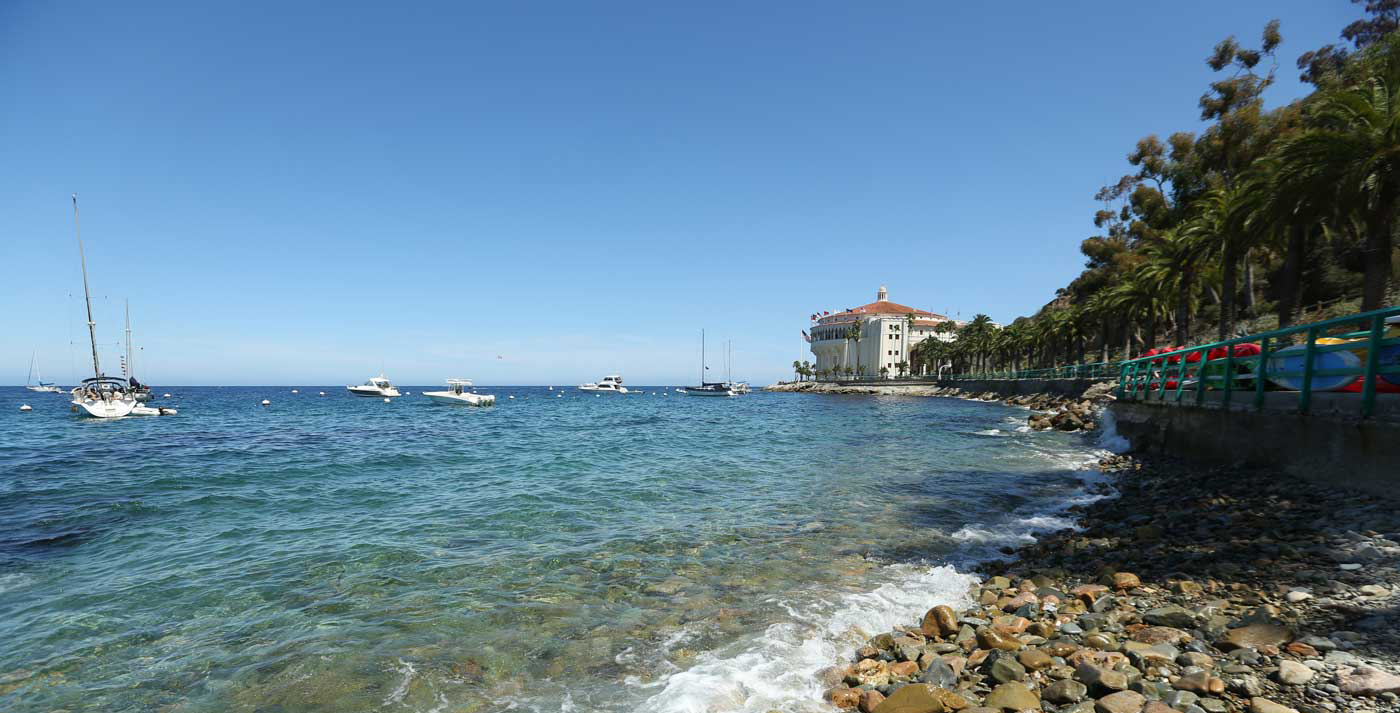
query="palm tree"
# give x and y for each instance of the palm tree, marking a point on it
(797, 369)
(1352, 155)
(1172, 258)
(853, 335)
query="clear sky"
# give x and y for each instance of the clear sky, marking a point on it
(299, 193)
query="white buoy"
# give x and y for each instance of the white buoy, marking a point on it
(511, 396)
(558, 396)
(295, 391)
(265, 402)
(323, 393)
(386, 399)
(25, 407)
(165, 396)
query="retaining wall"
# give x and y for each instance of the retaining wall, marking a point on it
(1327, 446)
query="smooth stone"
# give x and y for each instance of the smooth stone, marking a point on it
(1120, 702)
(992, 639)
(1011, 697)
(1197, 682)
(1006, 670)
(940, 674)
(1035, 659)
(1062, 692)
(1212, 705)
(914, 698)
(1170, 615)
(1256, 636)
(1100, 677)
(1367, 681)
(1293, 673)
(1264, 705)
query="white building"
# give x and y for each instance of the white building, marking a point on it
(886, 336)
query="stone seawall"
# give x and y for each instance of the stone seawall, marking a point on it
(1326, 449)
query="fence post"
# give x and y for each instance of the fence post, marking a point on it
(1373, 360)
(1309, 351)
(1259, 374)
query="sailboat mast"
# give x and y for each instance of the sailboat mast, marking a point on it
(127, 368)
(702, 357)
(30, 379)
(87, 296)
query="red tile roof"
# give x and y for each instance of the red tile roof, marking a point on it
(886, 307)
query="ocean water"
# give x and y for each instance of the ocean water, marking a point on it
(552, 554)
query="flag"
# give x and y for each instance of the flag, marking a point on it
(804, 336)
(825, 313)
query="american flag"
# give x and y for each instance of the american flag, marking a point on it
(804, 336)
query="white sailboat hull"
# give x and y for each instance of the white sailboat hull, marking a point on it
(708, 392)
(45, 389)
(372, 392)
(105, 408)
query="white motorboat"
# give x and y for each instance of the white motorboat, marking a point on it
(36, 381)
(459, 393)
(739, 387)
(609, 385)
(144, 410)
(101, 396)
(377, 386)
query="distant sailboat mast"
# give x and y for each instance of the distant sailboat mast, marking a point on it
(87, 295)
(127, 369)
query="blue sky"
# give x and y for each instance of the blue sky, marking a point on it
(299, 193)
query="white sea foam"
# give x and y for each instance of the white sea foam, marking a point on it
(14, 580)
(1109, 438)
(778, 668)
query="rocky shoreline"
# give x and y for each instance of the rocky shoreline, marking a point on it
(1048, 411)
(1195, 590)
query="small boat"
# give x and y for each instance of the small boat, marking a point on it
(36, 381)
(609, 385)
(100, 396)
(739, 387)
(458, 393)
(25, 407)
(377, 386)
(144, 410)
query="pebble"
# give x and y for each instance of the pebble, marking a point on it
(1293, 673)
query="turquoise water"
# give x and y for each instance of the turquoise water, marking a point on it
(638, 553)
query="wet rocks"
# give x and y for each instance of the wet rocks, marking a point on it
(1293, 673)
(1120, 702)
(1012, 697)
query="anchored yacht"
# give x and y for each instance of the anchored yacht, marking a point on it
(100, 396)
(377, 386)
(609, 385)
(459, 394)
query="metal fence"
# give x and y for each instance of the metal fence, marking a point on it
(1097, 370)
(1359, 353)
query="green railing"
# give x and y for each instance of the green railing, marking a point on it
(1097, 370)
(1359, 353)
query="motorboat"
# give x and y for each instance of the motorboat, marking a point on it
(459, 393)
(609, 385)
(739, 387)
(100, 396)
(377, 386)
(144, 410)
(104, 397)
(36, 381)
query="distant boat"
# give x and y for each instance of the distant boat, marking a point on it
(609, 385)
(707, 388)
(139, 390)
(457, 394)
(100, 396)
(377, 386)
(36, 382)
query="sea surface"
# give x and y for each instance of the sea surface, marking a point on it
(557, 552)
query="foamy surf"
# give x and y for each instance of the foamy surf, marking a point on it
(778, 669)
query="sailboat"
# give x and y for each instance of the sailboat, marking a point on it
(138, 390)
(707, 388)
(36, 381)
(99, 396)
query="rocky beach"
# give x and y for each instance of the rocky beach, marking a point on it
(1187, 588)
